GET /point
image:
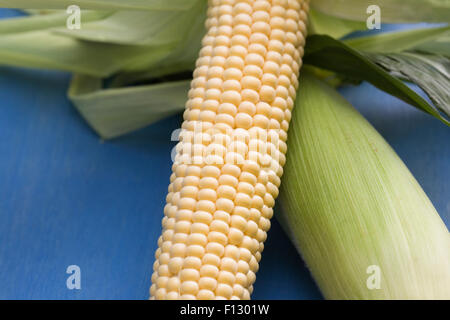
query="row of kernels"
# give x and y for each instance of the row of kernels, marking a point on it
(259, 151)
(267, 96)
(196, 98)
(280, 117)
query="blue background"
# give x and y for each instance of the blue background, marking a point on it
(68, 198)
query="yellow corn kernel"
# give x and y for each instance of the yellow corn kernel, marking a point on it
(230, 158)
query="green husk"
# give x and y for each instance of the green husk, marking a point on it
(130, 27)
(430, 72)
(392, 11)
(45, 21)
(334, 55)
(39, 41)
(397, 41)
(349, 203)
(44, 49)
(149, 27)
(440, 45)
(99, 4)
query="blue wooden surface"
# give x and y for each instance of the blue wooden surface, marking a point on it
(68, 198)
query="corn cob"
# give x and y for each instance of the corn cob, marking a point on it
(231, 153)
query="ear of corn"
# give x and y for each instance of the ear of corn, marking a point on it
(355, 210)
(230, 159)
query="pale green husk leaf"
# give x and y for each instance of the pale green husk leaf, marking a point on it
(398, 41)
(430, 72)
(151, 27)
(136, 52)
(320, 23)
(350, 203)
(328, 53)
(440, 45)
(99, 4)
(392, 11)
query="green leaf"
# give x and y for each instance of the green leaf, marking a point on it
(320, 23)
(47, 50)
(397, 41)
(42, 11)
(328, 53)
(349, 202)
(100, 4)
(181, 59)
(440, 45)
(151, 27)
(430, 72)
(133, 27)
(154, 74)
(114, 112)
(44, 21)
(392, 11)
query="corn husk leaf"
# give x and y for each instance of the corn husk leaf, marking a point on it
(99, 4)
(320, 23)
(180, 60)
(114, 112)
(349, 203)
(131, 64)
(177, 69)
(41, 11)
(430, 72)
(328, 53)
(151, 27)
(38, 45)
(44, 21)
(397, 41)
(392, 11)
